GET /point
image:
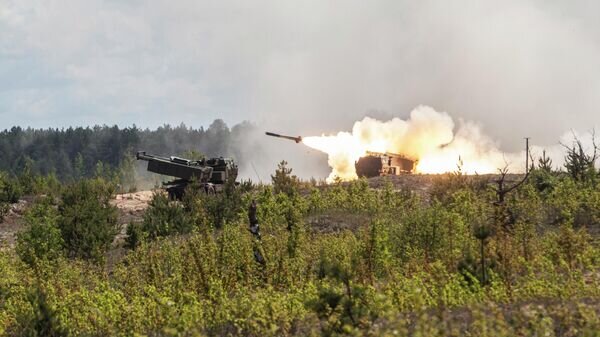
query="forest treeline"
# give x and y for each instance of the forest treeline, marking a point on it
(80, 152)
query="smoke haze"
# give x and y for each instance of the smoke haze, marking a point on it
(513, 68)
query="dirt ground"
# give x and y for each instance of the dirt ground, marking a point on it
(131, 207)
(12, 224)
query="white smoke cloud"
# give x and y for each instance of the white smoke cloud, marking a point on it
(431, 138)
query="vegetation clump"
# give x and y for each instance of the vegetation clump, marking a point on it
(163, 217)
(88, 222)
(41, 241)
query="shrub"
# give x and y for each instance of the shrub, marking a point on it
(341, 303)
(48, 185)
(10, 190)
(42, 240)
(543, 180)
(283, 180)
(135, 235)
(579, 164)
(26, 177)
(568, 245)
(88, 222)
(222, 208)
(42, 320)
(164, 217)
(4, 208)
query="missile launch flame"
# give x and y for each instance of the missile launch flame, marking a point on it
(427, 136)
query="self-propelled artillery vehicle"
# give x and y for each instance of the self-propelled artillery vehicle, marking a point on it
(210, 174)
(375, 164)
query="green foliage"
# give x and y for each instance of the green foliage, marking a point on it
(426, 233)
(42, 320)
(47, 185)
(482, 232)
(10, 193)
(10, 189)
(135, 235)
(79, 167)
(342, 259)
(26, 177)
(88, 222)
(4, 209)
(448, 183)
(197, 210)
(543, 180)
(107, 173)
(284, 181)
(376, 250)
(573, 203)
(341, 303)
(569, 246)
(163, 217)
(545, 163)
(220, 209)
(579, 164)
(41, 241)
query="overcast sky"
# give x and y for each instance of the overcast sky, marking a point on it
(520, 68)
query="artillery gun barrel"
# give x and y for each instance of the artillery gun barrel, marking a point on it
(141, 155)
(296, 139)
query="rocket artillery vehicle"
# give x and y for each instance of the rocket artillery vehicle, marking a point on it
(375, 164)
(211, 174)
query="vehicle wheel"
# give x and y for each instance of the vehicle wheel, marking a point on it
(172, 195)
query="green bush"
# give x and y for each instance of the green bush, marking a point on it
(43, 319)
(135, 235)
(88, 222)
(341, 303)
(222, 208)
(10, 189)
(164, 217)
(284, 181)
(41, 240)
(26, 177)
(47, 185)
(4, 209)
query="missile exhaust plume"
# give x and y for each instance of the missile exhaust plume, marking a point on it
(429, 136)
